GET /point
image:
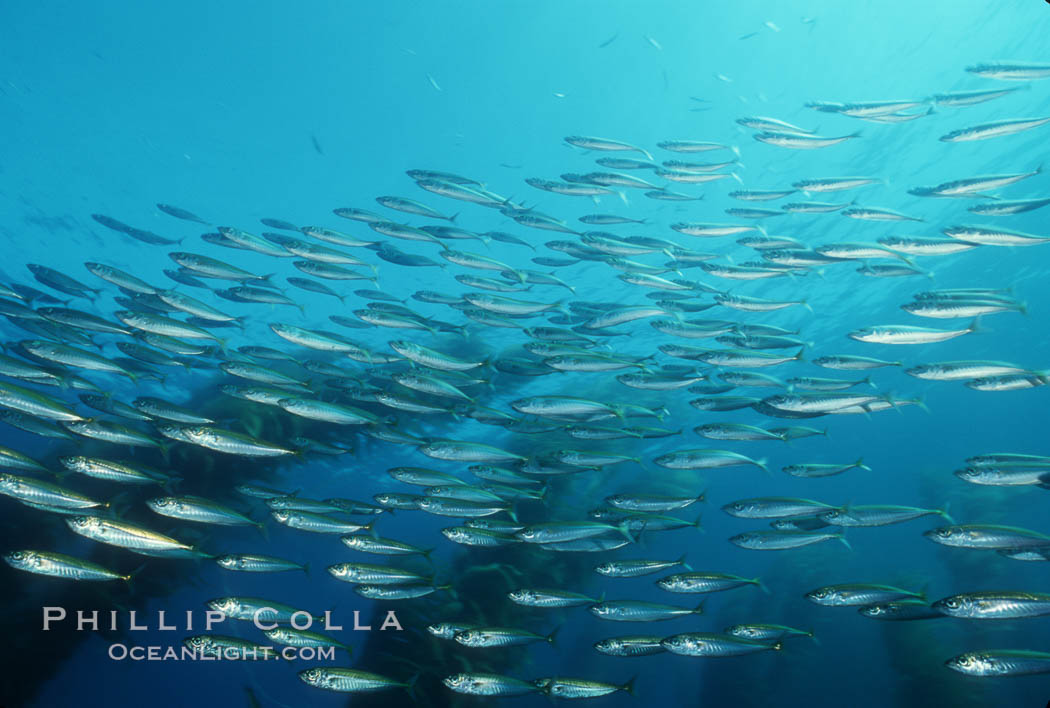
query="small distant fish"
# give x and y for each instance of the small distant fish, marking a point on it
(180, 213)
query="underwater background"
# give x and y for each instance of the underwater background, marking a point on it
(239, 111)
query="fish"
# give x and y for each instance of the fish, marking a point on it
(257, 563)
(59, 565)
(970, 98)
(694, 582)
(136, 539)
(986, 536)
(900, 611)
(631, 645)
(572, 688)
(114, 471)
(973, 186)
(24, 400)
(702, 644)
(633, 568)
(218, 646)
(1011, 71)
(860, 594)
(991, 236)
(481, 637)
(200, 510)
(603, 145)
(783, 540)
(877, 515)
(765, 632)
(705, 459)
(639, 611)
(316, 523)
(690, 146)
(994, 604)
(225, 441)
(908, 334)
(995, 129)
(484, 684)
(548, 598)
(1005, 207)
(1000, 662)
(342, 680)
(800, 141)
(204, 266)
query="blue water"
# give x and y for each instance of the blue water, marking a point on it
(111, 107)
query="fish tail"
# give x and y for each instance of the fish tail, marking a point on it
(165, 451)
(921, 403)
(842, 538)
(550, 637)
(410, 687)
(681, 562)
(860, 464)
(629, 686)
(131, 576)
(944, 512)
(623, 528)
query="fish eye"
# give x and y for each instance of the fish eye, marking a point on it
(952, 604)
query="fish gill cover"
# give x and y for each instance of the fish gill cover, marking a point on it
(647, 353)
